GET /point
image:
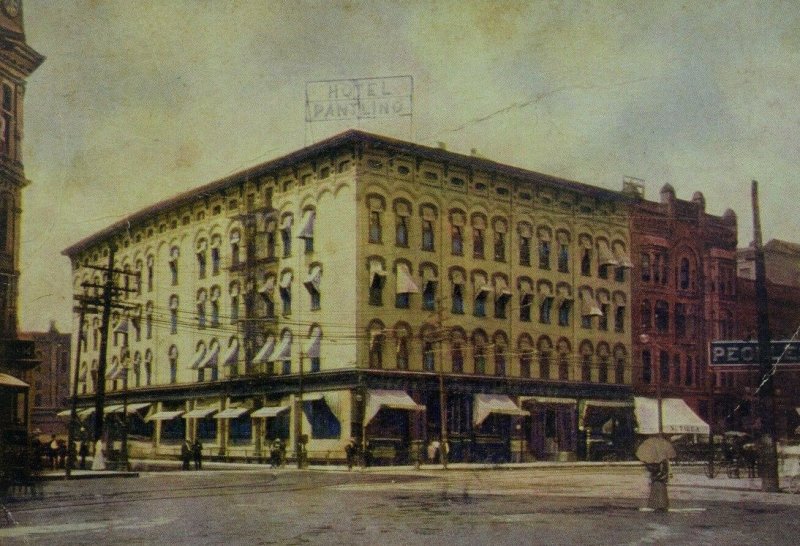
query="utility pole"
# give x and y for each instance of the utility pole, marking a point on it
(73, 415)
(299, 445)
(766, 390)
(440, 336)
(107, 302)
(100, 394)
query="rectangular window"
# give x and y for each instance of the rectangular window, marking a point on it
(402, 301)
(201, 265)
(586, 322)
(215, 261)
(619, 274)
(374, 226)
(544, 310)
(525, 304)
(458, 300)
(401, 231)
(315, 364)
(315, 300)
(477, 243)
(286, 299)
(376, 291)
(428, 357)
(619, 319)
(427, 235)
(287, 367)
(499, 247)
(286, 239)
(480, 305)
(544, 254)
(457, 241)
(525, 251)
(602, 271)
(563, 258)
(563, 313)
(309, 245)
(429, 296)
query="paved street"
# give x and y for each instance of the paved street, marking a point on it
(256, 505)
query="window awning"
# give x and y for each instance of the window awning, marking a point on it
(623, 260)
(199, 413)
(86, 412)
(604, 254)
(266, 286)
(114, 408)
(122, 327)
(272, 411)
(265, 352)
(212, 358)
(286, 280)
(11, 381)
(405, 284)
(457, 277)
(118, 371)
(67, 413)
(231, 356)
(429, 276)
(198, 358)
(164, 415)
(284, 350)
(313, 350)
(676, 417)
(501, 289)
(313, 279)
(480, 284)
(287, 222)
(377, 399)
(486, 404)
(231, 413)
(525, 287)
(307, 225)
(376, 272)
(589, 307)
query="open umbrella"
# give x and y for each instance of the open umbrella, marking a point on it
(655, 450)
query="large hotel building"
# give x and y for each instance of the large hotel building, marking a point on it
(369, 288)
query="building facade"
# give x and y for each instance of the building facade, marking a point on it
(49, 381)
(374, 289)
(782, 261)
(684, 294)
(17, 61)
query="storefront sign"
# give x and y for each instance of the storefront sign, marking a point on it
(745, 353)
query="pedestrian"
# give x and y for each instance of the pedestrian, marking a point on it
(197, 452)
(659, 475)
(186, 454)
(350, 453)
(83, 452)
(52, 451)
(275, 454)
(62, 454)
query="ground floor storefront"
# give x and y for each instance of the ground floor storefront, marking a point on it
(389, 418)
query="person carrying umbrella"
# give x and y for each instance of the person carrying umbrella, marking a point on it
(655, 453)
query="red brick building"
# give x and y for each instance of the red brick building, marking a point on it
(782, 260)
(683, 291)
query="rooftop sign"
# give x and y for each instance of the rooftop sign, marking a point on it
(365, 98)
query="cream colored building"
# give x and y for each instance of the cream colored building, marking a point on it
(373, 278)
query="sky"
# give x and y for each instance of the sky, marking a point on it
(139, 101)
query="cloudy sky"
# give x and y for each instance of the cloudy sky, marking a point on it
(138, 101)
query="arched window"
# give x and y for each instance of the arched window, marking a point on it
(683, 274)
(620, 357)
(174, 254)
(428, 349)
(173, 314)
(586, 352)
(376, 340)
(457, 343)
(525, 349)
(646, 315)
(402, 335)
(500, 354)
(602, 362)
(479, 342)
(173, 364)
(545, 349)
